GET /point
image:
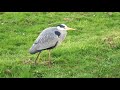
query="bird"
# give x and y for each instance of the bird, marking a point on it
(49, 39)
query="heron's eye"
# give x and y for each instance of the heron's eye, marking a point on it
(62, 26)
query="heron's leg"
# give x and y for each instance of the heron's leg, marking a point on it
(37, 58)
(49, 59)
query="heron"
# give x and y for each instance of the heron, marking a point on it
(48, 39)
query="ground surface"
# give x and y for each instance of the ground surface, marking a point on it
(90, 52)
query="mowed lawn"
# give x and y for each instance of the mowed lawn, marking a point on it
(92, 51)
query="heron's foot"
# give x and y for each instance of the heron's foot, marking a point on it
(49, 63)
(37, 62)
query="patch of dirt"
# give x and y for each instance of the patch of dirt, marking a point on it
(8, 72)
(29, 61)
(112, 40)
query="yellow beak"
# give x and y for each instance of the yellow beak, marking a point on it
(70, 28)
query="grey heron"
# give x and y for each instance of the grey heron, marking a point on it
(48, 39)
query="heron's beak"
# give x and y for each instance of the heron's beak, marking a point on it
(70, 28)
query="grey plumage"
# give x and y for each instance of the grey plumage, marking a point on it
(47, 38)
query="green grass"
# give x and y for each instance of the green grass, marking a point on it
(92, 51)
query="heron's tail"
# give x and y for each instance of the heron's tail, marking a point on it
(33, 50)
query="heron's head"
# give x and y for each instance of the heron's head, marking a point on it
(64, 27)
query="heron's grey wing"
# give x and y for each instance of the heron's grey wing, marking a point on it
(45, 40)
